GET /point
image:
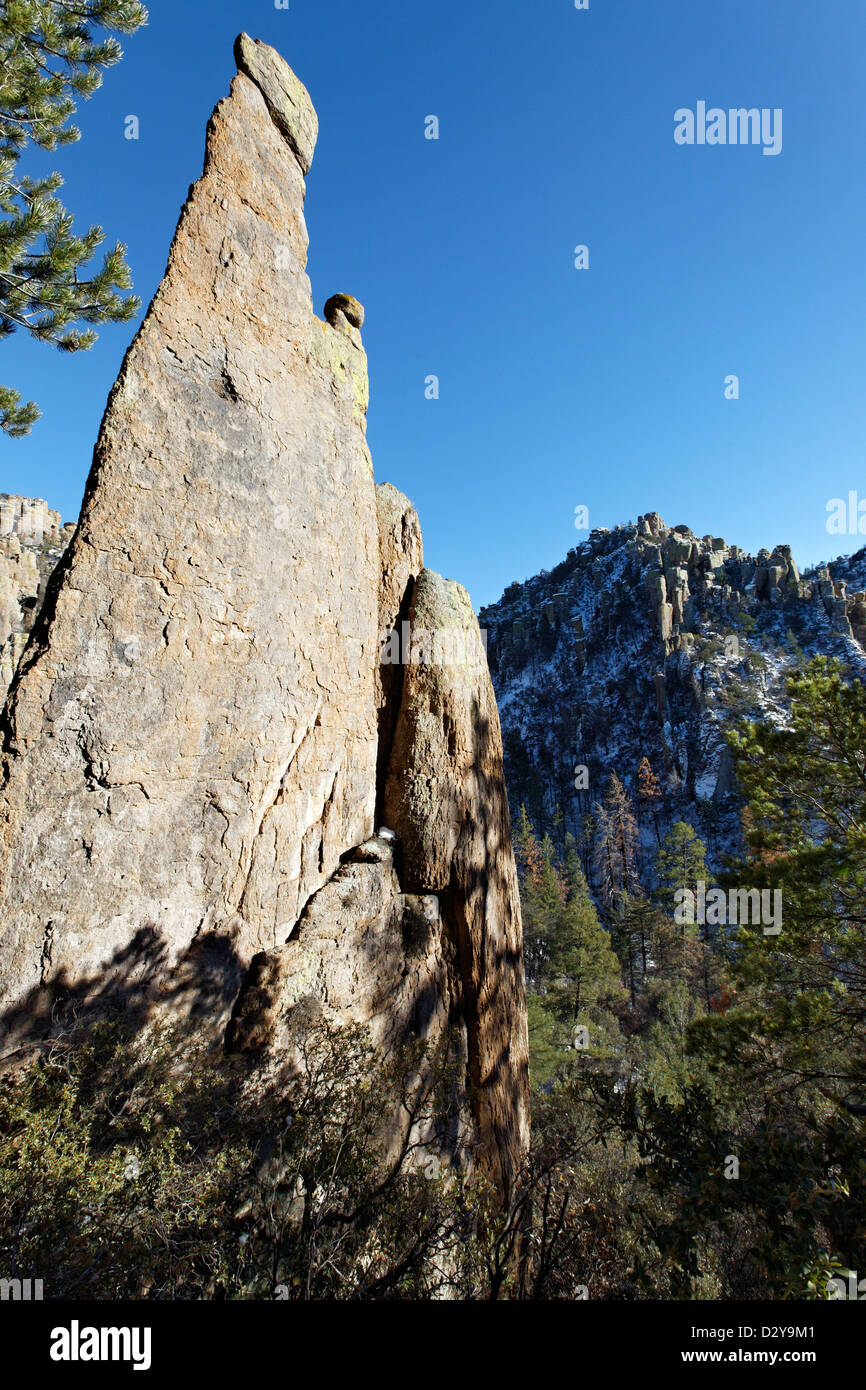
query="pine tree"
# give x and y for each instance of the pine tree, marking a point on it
(805, 786)
(579, 983)
(638, 937)
(541, 900)
(649, 792)
(575, 878)
(788, 1053)
(615, 848)
(50, 56)
(681, 864)
(583, 962)
(524, 841)
(557, 826)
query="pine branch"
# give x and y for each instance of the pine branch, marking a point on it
(50, 56)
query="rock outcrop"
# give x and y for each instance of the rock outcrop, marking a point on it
(367, 953)
(200, 698)
(684, 571)
(445, 799)
(401, 559)
(648, 641)
(196, 738)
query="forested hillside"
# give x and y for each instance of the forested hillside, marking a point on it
(685, 735)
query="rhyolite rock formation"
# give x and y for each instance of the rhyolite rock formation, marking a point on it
(197, 739)
(445, 799)
(649, 641)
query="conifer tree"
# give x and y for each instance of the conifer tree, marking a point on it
(585, 968)
(649, 792)
(524, 841)
(787, 1055)
(805, 785)
(542, 898)
(681, 863)
(575, 879)
(616, 842)
(51, 55)
(639, 932)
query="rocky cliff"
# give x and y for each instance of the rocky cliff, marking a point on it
(200, 736)
(647, 641)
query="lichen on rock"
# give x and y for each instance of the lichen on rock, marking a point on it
(287, 98)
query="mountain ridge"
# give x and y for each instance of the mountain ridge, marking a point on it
(648, 641)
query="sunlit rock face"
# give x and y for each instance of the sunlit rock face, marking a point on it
(199, 732)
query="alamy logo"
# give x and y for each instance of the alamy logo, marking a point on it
(21, 1290)
(77, 1343)
(737, 126)
(847, 1286)
(847, 518)
(739, 906)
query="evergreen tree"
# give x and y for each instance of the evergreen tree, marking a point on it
(615, 849)
(585, 841)
(681, 862)
(524, 841)
(649, 792)
(584, 966)
(575, 978)
(805, 786)
(542, 898)
(50, 56)
(575, 879)
(684, 949)
(787, 1053)
(557, 826)
(639, 938)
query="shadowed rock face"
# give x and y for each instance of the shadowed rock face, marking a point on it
(401, 559)
(365, 952)
(196, 737)
(445, 799)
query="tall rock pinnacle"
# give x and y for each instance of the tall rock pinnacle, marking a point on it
(197, 733)
(191, 742)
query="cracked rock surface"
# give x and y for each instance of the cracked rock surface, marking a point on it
(196, 737)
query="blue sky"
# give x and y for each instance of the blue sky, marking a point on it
(558, 388)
